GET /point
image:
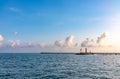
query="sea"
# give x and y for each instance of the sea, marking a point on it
(58, 66)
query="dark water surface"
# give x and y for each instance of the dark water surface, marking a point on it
(59, 66)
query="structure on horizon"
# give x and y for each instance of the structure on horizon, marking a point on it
(84, 53)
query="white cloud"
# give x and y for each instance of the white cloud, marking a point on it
(101, 38)
(69, 41)
(42, 45)
(1, 41)
(14, 43)
(91, 43)
(88, 43)
(30, 44)
(77, 45)
(1, 38)
(59, 43)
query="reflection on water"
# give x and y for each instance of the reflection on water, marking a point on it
(59, 66)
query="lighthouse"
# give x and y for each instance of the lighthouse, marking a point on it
(85, 50)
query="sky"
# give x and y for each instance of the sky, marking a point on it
(59, 25)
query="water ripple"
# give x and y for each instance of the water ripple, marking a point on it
(59, 66)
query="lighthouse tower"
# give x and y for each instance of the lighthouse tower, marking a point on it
(85, 50)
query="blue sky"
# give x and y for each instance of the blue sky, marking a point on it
(46, 21)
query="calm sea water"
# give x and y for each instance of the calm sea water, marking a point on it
(59, 66)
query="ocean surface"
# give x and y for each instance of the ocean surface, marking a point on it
(58, 66)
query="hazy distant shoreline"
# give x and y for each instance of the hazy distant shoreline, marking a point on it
(110, 53)
(99, 53)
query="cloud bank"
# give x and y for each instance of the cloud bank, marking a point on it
(64, 45)
(68, 43)
(101, 38)
(91, 43)
(88, 43)
(59, 43)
